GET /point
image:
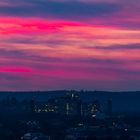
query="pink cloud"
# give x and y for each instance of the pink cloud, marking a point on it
(53, 54)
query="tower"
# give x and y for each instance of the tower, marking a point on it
(32, 105)
(109, 107)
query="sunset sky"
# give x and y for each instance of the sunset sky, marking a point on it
(69, 44)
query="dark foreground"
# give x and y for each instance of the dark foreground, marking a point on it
(65, 118)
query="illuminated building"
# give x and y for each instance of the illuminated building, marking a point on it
(70, 104)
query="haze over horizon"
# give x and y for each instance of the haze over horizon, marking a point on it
(69, 44)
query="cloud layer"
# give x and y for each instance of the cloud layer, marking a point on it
(79, 44)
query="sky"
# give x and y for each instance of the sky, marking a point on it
(69, 44)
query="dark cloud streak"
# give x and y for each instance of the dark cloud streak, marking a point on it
(116, 47)
(67, 10)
